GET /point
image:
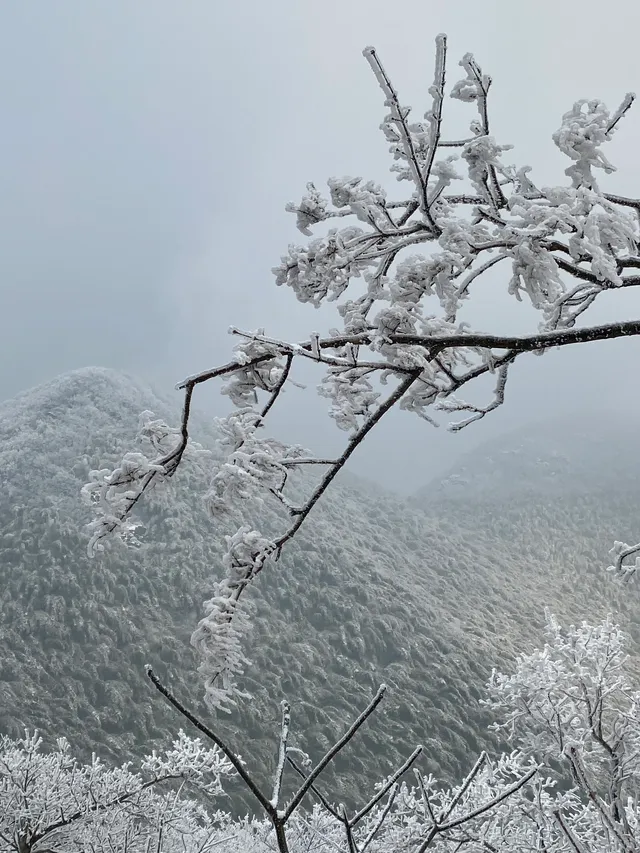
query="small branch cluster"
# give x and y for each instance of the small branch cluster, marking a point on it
(114, 494)
(622, 565)
(395, 817)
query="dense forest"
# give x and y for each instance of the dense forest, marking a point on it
(426, 593)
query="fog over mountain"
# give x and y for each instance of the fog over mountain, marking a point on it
(147, 161)
(426, 594)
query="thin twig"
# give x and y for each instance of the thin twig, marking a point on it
(282, 753)
(315, 790)
(573, 841)
(437, 821)
(335, 749)
(491, 804)
(355, 440)
(381, 818)
(464, 286)
(622, 110)
(280, 385)
(228, 752)
(391, 781)
(508, 792)
(483, 83)
(291, 463)
(427, 802)
(435, 115)
(400, 119)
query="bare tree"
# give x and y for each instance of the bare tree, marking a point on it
(399, 317)
(368, 824)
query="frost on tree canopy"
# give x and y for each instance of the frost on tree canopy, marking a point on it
(399, 270)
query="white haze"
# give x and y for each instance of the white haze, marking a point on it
(148, 151)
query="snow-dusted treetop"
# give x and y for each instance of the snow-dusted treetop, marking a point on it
(49, 801)
(569, 785)
(399, 270)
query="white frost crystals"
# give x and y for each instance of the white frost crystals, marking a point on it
(190, 760)
(581, 134)
(50, 801)
(400, 272)
(113, 494)
(252, 466)
(218, 635)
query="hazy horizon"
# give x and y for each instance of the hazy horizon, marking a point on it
(147, 160)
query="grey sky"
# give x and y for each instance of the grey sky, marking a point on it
(148, 150)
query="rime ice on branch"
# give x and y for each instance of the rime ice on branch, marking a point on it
(50, 801)
(399, 271)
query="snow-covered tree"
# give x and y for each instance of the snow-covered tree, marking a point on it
(49, 801)
(570, 785)
(572, 705)
(469, 209)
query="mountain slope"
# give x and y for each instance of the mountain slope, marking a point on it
(426, 595)
(554, 458)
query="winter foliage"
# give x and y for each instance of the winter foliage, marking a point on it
(399, 314)
(570, 710)
(48, 801)
(570, 783)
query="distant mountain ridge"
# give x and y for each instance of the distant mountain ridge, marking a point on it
(425, 594)
(554, 457)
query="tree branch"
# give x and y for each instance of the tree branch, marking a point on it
(357, 438)
(335, 749)
(282, 753)
(435, 115)
(391, 781)
(400, 119)
(227, 751)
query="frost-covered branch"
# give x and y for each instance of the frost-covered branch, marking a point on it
(622, 552)
(334, 750)
(401, 272)
(233, 759)
(389, 786)
(279, 817)
(397, 130)
(282, 754)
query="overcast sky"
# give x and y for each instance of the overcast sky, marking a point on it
(148, 149)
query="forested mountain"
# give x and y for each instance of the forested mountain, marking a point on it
(424, 594)
(556, 458)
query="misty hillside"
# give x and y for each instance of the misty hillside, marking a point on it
(555, 458)
(425, 595)
(566, 488)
